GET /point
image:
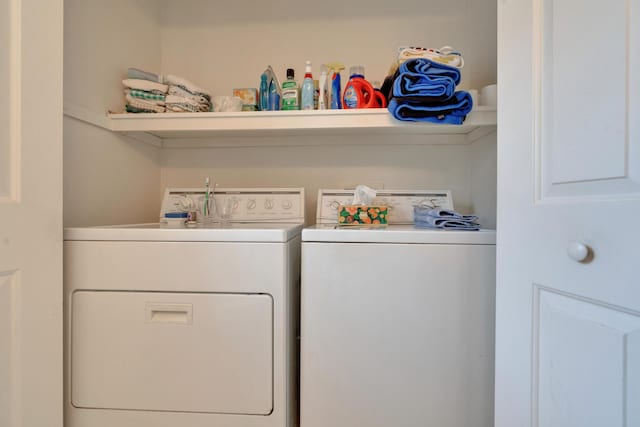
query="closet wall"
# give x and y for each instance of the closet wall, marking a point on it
(108, 179)
(220, 45)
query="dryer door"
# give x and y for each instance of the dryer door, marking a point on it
(187, 352)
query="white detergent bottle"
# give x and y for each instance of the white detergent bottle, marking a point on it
(307, 90)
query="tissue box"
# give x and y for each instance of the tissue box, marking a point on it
(362, 215)
(249, 98)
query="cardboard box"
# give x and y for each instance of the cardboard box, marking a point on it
(249, 96)
(362, 215)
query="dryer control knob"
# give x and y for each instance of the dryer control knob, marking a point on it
(287, 204)
(251, 204)
(268, 204)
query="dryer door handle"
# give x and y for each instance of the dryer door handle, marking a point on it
(169, 313)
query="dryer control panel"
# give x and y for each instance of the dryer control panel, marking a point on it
(399, 202)
(245, 204)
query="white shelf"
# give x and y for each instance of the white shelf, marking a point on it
(215, 129)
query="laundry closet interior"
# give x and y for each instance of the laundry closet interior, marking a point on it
(118, 177)
(117, 168)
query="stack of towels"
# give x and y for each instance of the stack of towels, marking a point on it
(149, 93)
(184, 96)
(425, 90)
(144, 91)
(444, 219)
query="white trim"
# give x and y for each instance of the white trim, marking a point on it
(537, 70)
(15, 104)
(87, 116)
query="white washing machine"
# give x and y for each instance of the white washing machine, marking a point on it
(398, 321)
(188, 327)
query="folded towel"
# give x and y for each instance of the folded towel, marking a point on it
(145, 85)
(145, 105)
(183, 108)
(430, 68)
(421, 212)
(453, 111)
(444, 218)
(143, 94)
(135, 73)
(445, 55)
(130, 109)
(155, 102)
(428, 88)
(447, 224)
(179, 91)
(171, 79)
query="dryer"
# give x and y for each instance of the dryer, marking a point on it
(397, 323)
(187, 327)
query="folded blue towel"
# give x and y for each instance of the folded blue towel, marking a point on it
(421, 212)
(430, 89)
(448, 224)
(453, 111)
(430, 68)
(444, 219)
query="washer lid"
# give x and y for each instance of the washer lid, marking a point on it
(232, 232)
(396, 234)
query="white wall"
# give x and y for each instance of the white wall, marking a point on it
(222, 45)
(107, 179)
(484, 164)
(396, 165)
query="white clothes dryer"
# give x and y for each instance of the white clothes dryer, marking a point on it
(397, 323)
(187, 327)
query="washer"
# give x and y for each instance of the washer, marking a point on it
(187, 327)
(398, 321)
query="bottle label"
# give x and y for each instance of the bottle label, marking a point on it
(350, 97)
(290, 99)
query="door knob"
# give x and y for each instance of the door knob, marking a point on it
(579, 252)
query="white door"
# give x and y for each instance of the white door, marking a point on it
(31, 213)
(568, 261)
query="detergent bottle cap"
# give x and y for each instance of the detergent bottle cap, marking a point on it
(307, 67)
(290, 73)
(356, 71)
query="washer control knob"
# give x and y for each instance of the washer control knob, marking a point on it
(287, 204)
(251, 204)
(268, 204)
(579, 251)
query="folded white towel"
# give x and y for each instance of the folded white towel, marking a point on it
(171, 79)
(178, 91)
(145, 105)
(145, 85)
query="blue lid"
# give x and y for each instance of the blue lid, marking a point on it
(175, 215)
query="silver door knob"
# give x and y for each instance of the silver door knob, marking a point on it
(578, 251)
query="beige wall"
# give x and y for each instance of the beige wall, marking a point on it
(222, 47)
(396, 165)
(107, 178)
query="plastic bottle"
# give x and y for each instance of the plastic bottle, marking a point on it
(336, 90)
(264, 93)
(359, 93)
(354, 92)
(322, 89)
(308, 89)
(290, 92)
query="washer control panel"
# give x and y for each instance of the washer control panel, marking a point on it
(399, 202)
(244, 204)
